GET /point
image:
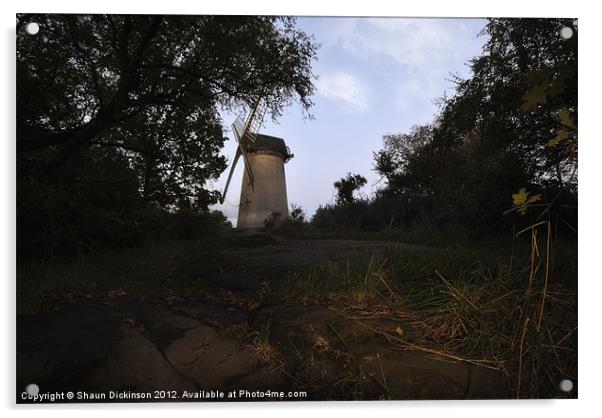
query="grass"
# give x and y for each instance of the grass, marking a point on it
(515, 315)
(137, 272)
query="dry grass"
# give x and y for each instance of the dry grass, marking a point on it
(513, 315)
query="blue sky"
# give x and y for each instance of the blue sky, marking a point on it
(376, 76)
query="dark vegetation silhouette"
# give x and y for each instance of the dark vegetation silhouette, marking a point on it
(118, 129)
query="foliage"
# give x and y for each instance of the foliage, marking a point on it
(511, 126)
(293, 226)
(141, 92)
(521, 200)
(297, 214)
(347, 186)
(97, 205)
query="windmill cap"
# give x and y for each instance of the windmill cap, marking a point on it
(269, 143)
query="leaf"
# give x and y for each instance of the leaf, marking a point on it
(521, 200)
(566, 118)
(561, 135)
(399, 331)
(534, 97)
(322, 343)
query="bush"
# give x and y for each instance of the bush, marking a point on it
(71, 219)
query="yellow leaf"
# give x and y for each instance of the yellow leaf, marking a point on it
(520, 198)
(399, 331)
(534, 97)
(560, 136)
(566, 118)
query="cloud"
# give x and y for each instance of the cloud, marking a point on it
(424, 52)
(344, 87)
(409, 41)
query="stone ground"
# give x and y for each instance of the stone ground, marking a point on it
(220, 343)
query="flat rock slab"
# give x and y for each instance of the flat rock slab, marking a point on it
(216, 314)
(159, 324)
(212, 361)
(128, 346)
(135, 364)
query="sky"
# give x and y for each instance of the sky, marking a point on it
(375, 76)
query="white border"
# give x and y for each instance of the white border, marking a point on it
(590, 171)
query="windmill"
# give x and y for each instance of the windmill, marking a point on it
(263, 190)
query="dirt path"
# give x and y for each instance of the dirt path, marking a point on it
(298, 253)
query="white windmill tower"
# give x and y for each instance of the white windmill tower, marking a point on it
(263, 190)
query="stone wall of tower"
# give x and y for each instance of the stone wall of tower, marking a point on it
(268, 195)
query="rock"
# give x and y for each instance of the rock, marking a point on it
(135, 364)
(161, 325)
(55, 350)
(211, 360)
(216, 314)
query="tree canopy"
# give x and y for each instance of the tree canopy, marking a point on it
(129, 105)
(150, 87)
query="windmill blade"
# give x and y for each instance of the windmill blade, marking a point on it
(236, 158)
(248, 166)
(238, 128)
(255, 121)
(239, 133)
(245, 133)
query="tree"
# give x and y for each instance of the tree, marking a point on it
(149, 88)
(347, 186)
(511, 125)
(400, 157)
(493, 104)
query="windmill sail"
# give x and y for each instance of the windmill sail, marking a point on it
(246, 133)
(236, 158)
